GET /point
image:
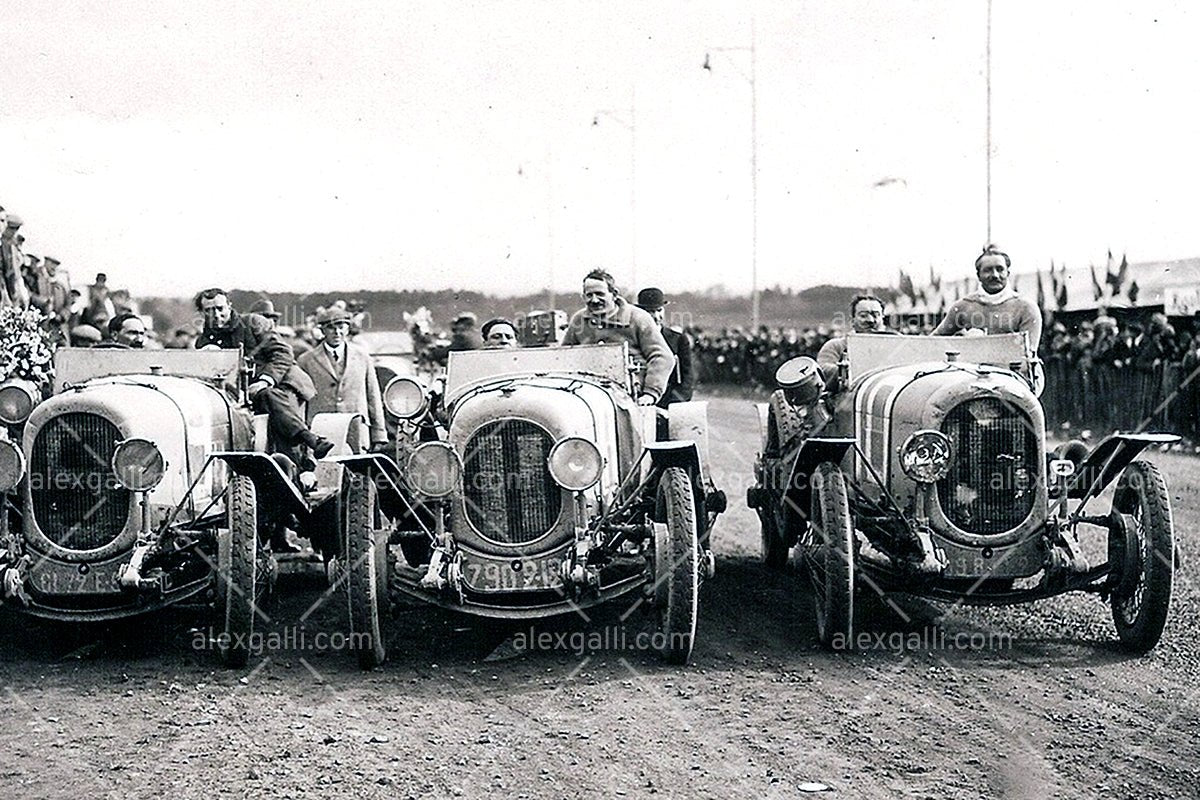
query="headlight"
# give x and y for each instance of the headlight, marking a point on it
(926, 456)
(138, 465)
(434, 469)
(17, 399)
(404, 397)
(575, 463)
(12, 465)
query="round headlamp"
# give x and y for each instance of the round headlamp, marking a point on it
(12, 465)
(138, 465)
(575, 463)
(926, 456)
(17, 399)
(405, 397)
(434, 469)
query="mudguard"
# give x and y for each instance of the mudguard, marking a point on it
(395, 499)
(689, 422)
(1104, 463)
(276, 491)
(675, 454)
(763, 410)
(344, 430)
(797, 493)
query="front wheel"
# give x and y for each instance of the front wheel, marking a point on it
(676, 566)
(829, 557)
(367, 575)
(1142, 600)
(243, 574)
(774, 548)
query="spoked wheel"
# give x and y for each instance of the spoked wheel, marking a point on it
(677, 566)
(367, 572)
(829, 557)
(244, 573)
(1142, 599)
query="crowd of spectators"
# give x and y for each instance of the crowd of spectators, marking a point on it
(79, 315)
(1103, 374)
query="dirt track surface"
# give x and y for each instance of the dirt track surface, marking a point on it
(946, 703)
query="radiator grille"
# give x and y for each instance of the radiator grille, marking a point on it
(993, 482)
(509, 494)
(76, 501)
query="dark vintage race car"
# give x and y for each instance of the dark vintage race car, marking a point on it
(928, 474)
(541, 488)
(144, 481)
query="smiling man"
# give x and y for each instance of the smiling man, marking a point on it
(995, 307)
(608, 319)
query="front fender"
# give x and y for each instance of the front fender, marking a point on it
(1105, 462)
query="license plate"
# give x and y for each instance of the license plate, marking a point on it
(512, 574)
(66, 579)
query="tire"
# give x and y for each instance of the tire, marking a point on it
(784, 423)
(239, 587)
(367, 573)
(677, 566)
(829, 557)
(774, 549)
(1140, 611)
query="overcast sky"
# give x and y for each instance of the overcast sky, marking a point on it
(302, 146)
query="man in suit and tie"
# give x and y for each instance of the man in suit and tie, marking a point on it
(344, 376)
(683, 378)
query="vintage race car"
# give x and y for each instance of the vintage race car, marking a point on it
(541, 488)
(144, 481)
(927, 473)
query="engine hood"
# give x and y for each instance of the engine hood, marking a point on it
(528, 415)
(185, 418)
(883, 408)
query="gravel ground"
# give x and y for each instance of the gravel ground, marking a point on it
(1034, 701)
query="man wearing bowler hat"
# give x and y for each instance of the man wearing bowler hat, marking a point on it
(683, 378)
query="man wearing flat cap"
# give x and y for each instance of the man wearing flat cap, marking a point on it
(608, 319)
(683, 377)
(344, 378)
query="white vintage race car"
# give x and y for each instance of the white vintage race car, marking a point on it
(144, 481)
(928, 474)
(540, 488)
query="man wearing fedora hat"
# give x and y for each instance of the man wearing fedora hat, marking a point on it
(683, 378)
(264, 307)
(344, 376)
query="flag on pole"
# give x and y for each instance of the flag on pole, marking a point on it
(1134, 290)
(1097, 289)
(1122, 274)
(1060, 296)
(906, 286)
(1110, 274)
